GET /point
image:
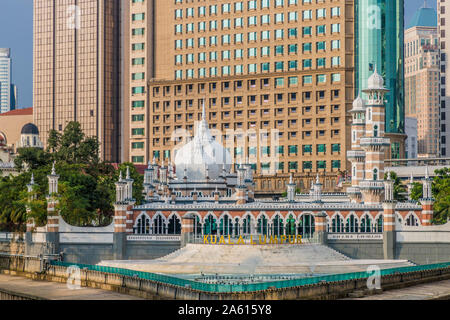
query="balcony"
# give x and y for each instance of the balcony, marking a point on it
(372, 141)
(374, 185)
(356, 154)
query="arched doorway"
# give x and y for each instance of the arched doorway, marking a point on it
(306, 226)
(210, 225)
(366, 224)
(277, 226)
(246, 226)
(290, 226)
(337, 224)
(351, 224)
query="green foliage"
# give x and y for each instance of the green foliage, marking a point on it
(86, 186)
(417, 191)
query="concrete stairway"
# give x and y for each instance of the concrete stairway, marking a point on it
(255, 259)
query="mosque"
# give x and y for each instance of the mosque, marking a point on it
(204, 194)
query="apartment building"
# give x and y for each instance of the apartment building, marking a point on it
(275, 77)
(444, 33)
(77, 69)
(422, 78)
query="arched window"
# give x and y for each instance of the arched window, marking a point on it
(262, 225)
(174, 225)
(210, 225)
(375, 131)
(352, 224)
(236, 227)
(306, 226)
(412, 221)
(337, 224)
(142, 225)
(225, 226)
(290, 226)
(354, 172)
(247, 225)
(198, 226)
(366, 224)
(375, 174)
(158, 225)
(379, 224)
(277, 226)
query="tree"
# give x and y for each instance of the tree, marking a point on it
(33, 158)
(441, 193)
(73, 147)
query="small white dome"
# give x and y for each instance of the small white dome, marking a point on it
(202, 156)
(358, 104)
(375, 81)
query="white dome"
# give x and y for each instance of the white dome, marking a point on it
(358, 104)
(375, 81)
(202, 156)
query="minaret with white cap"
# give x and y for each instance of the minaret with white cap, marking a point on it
(357, 155)
(427, 200)
(291, 188)
(374, 141)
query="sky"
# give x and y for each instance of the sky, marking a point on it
(16, 32)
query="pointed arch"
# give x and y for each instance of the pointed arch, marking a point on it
(412, 220)
(142, 224)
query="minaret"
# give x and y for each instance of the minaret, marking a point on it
(52, 201)
(155, 171)
(291, 189)
(317, 190)
(410, 186)
(31, 197)
(163, 174)
(427, 200)
(357, 155)
(129, 188)
(121, 207)
(52, 213)
(389, 188)
(148, 183)
(241, 188)
(374, 141)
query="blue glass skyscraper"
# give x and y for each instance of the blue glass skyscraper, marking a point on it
(379, 41)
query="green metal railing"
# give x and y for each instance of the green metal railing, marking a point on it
(248, 287)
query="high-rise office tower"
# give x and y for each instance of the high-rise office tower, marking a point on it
(379, 32)
(7, 90)
(422, 79)
(280, 70)
(444, 33)
(77, 69)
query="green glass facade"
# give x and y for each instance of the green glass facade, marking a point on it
(379, 40)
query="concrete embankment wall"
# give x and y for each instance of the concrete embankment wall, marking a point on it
(33, 268)
(359, 249)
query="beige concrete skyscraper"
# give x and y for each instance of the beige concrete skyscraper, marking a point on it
(280, 70)
(77, 69)
(422, 79)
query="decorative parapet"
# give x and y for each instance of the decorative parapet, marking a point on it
(371, 141)
(366, 184)
(356, 154)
